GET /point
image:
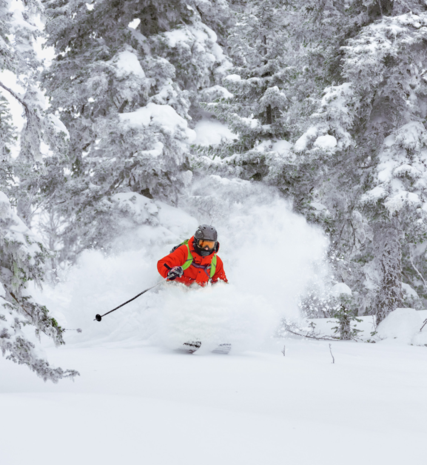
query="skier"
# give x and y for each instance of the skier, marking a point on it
(195, 260)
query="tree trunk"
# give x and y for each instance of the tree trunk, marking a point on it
(268, 114)
(388, 258)
(268, 111)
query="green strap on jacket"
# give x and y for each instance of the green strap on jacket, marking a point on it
(190, 259)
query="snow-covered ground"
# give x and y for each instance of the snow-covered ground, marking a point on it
(138, 404)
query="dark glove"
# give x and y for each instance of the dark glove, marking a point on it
(175, 272)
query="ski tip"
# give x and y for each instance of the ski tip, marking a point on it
(222, 349)
(189, 347)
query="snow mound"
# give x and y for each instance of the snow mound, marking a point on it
(401, 325)
(420, 338)
(325, 142)
(209, 132)
(214, 315)
(282, 146)
(374, 195)
(162, 115)
(303, 141)
(127, 63)
(233, 78)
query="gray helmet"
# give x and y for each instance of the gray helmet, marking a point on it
(207, 233)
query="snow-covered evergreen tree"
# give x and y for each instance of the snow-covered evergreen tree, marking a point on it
(255, 101)
(41, 132)
(22, 257)
(7, 139)
(368, 134)
(351, 80)
(21, 261)
(388, 256)
(125, 82)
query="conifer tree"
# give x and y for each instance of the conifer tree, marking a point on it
(7, 139)
(352, 77)
(255, 102)
(18, 32)
(22, 257)
(125, 82)
(388, 255)
(366, 145)
(21, 261)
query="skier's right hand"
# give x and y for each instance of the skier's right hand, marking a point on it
(175, 272)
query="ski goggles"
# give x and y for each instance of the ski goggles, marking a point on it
(203, 243)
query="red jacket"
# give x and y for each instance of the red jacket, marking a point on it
(192, 274)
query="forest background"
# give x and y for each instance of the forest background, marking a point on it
(325, 102)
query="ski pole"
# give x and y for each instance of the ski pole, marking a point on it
(99, 317)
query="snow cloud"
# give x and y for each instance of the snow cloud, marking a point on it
(269, 254)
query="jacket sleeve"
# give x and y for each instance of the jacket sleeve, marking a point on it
(176, 258)
(219, 273)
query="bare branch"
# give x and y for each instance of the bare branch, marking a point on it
(332, 355)
(16, 96)
(416, 269)
(319, 338)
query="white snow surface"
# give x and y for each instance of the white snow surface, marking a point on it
(374, 195)
(420, 337)
(302, 142)
(401, 325)
(139, 401)
(163, 115)
(211, 132)
(134, 23)
(127, 63)
(325, 142)
(233, 78)
(139, 404)
(282, 146)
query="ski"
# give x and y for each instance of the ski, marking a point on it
(223, 349)
(192, 346)
(189, 347)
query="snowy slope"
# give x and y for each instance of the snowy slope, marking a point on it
(137, 401)
(137, 404)
(270, 255)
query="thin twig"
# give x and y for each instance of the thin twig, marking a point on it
(284, 351)
(425, 323)
(313, 337)
(416, 269)
(21, 305)
(332, 355)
